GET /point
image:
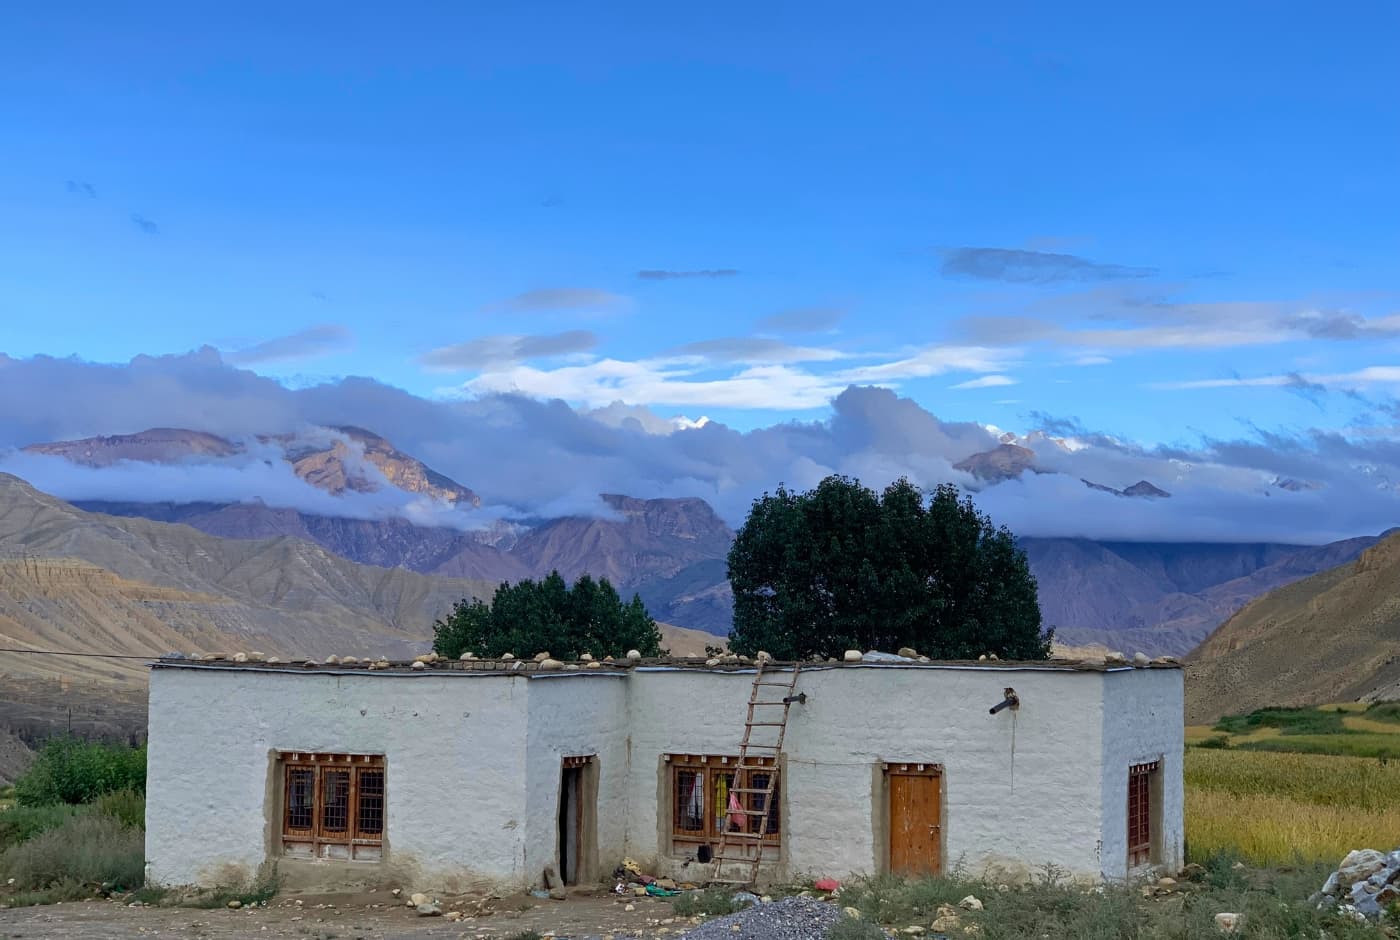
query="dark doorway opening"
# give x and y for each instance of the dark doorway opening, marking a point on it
(574, 819)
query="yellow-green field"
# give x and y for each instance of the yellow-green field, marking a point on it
(1277, 806)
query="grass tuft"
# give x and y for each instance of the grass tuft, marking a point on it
(712, 902)
(128, 807)
(853, 928)
(259, 893)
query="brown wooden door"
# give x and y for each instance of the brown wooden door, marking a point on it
(916, 820)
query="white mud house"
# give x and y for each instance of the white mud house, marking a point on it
(479, 775)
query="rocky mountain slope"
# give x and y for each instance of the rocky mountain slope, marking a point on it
(1163, 598)
(644, 546)
(79, 582)
(1334, 636)
(332, 459)
(142, 581)
(1159, 598)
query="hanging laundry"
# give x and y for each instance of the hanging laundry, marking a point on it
(736, 812)
(695, 808)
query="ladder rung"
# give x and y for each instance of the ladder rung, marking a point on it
(748, 790)
(784, 704)
(771, 747)
(764, 724)
(746, 835)
(749, 859)
(777, 685)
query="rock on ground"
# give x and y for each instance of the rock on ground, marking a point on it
(789, 919)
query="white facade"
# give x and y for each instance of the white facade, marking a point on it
(472, 762)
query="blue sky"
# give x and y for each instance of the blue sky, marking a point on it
(1160, 222)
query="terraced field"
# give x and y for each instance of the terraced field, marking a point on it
(1279, 786)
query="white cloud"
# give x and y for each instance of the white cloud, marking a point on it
(986, 381)
(933, 360)
(729, 373)
(661, 382)
(1091, 361)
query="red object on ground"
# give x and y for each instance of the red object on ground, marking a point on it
(826, 884)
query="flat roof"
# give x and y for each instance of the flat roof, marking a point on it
(617, 668)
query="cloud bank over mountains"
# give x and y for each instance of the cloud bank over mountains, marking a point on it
(538, 457)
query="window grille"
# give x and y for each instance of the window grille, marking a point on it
(700, 785)
(332, 805)
(1140, 780)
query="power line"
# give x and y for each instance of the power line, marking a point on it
(148, 656)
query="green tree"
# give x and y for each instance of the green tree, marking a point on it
(533, 616)
(71, 770)
(843, 567)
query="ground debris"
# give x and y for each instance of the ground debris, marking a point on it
(792, 918)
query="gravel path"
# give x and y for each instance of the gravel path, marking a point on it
(584, 918)
(788, 919)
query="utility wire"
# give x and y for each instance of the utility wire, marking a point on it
(7, 649)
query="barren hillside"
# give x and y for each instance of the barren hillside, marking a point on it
(1332, 637)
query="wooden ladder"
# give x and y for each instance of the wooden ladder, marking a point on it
(746, 848)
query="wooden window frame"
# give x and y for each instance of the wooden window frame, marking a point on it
(1142, 779)
(714, 768)
(365, 785)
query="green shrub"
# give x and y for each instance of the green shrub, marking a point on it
(68, 890)
(151, 894)
(260, 892)
(1383, 711)
(712, 901)
(1220, 742)
(88, 848)
(70, 770)
(22, 823)
(128, 807)
(1287, 720)
(853, 928)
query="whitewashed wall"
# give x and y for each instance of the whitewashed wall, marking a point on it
(574, 714)
(1021, 789)
(473, 765)
(455, 761)
(1143, 721)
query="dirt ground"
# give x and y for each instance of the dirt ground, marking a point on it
(583, 915)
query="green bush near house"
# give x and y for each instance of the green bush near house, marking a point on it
(70, 770)
(712, 902)
(127, 807)
(22, 823)
(853, 928)
(88, 848)
(258, 893)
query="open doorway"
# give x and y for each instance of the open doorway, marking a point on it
(577, 788)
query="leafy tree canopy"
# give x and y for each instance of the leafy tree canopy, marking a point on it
(548, 615)
(843, 567)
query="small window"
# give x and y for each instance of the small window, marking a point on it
(332, 805)
(700, 788)
(1142, 780)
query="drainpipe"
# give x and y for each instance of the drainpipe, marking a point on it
(1011, 701)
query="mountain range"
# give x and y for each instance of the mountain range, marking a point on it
(73, 581)
(1160, 598)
